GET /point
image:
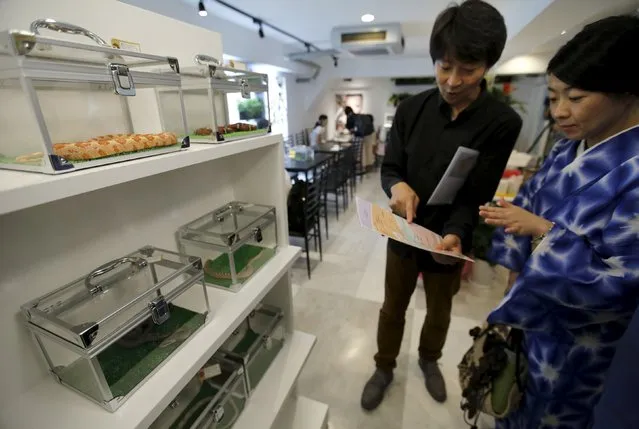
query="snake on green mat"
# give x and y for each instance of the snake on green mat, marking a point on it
(128, 362)
(248, 259)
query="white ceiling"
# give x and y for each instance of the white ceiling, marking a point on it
(534, 26)
(312, 20)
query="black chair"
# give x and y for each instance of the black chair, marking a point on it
(307, 136)
(299, 139)
(309, 226)
(337, 181)
(326, 169)
(357, 166)
(349, 153)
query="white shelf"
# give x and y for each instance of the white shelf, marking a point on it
(50, 405)
(269, 396)
(20, 190)
(307, 414)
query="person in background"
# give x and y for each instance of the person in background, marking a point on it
(318, 135)
(571, 237)
(467, 40)
(361, 125)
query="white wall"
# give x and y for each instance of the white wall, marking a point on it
(528, 90)
(110, 18)
(299, 117)
(525, 64)
(239, 42)
(375, 92)
(531, 91)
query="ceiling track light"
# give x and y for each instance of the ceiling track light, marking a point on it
(201, 9)
(261, 24)
(260, 30)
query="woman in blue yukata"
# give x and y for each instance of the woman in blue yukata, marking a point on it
(571, 237)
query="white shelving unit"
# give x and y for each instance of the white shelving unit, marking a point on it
(56, 228)
(303, 413)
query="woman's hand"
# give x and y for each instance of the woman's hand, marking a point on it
(515, 220)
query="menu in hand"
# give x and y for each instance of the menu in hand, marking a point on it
(383, 221)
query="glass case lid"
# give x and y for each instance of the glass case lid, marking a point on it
(76, 311)
(229, 224)
(226, 78)
(31, 44)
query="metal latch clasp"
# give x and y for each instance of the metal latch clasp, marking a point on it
(122, 79)
(257, 234)
(160, 312)
(244, 89)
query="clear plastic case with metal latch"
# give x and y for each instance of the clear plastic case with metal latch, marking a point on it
(103, 334)
(221, 104)
(208, 401)
(256, 343)
(75, 103)
(234, 242)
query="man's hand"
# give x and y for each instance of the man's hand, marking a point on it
(450, 243)
(404, 201)
(515, 220)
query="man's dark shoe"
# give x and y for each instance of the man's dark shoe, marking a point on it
(375, 388)
(434, 380)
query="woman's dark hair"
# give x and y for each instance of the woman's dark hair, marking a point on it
(320, 119)
(348, 110)
(599, 57)
(471, 32)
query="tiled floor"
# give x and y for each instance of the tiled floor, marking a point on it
(340, 305)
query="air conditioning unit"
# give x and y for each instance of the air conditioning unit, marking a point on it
(378, 39)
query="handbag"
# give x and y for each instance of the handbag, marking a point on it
(492, 373)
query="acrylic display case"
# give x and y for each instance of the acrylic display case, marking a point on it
(221, 104)
(103, 334)
(256, 342)
(208, 402)
(233, 242)
(68, 105)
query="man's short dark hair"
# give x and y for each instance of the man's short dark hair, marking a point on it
(471, 32)
(323, 117)
(348, 110)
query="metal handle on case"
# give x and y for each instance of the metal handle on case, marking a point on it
(138, 263)
(121, 70)
(244, 88)
(206, 60)
(65, 27)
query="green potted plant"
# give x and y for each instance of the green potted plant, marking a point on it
(253, 108)
(395, 99)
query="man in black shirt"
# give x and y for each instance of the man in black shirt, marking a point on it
(361, 125)
(466, 41)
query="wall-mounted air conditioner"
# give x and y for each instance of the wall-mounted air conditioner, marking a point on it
(378, 39)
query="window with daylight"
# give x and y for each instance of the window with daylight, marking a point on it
(277, 97)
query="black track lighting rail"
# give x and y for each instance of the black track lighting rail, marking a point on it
(261, 23)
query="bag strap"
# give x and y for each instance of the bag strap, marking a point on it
(517, 337)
